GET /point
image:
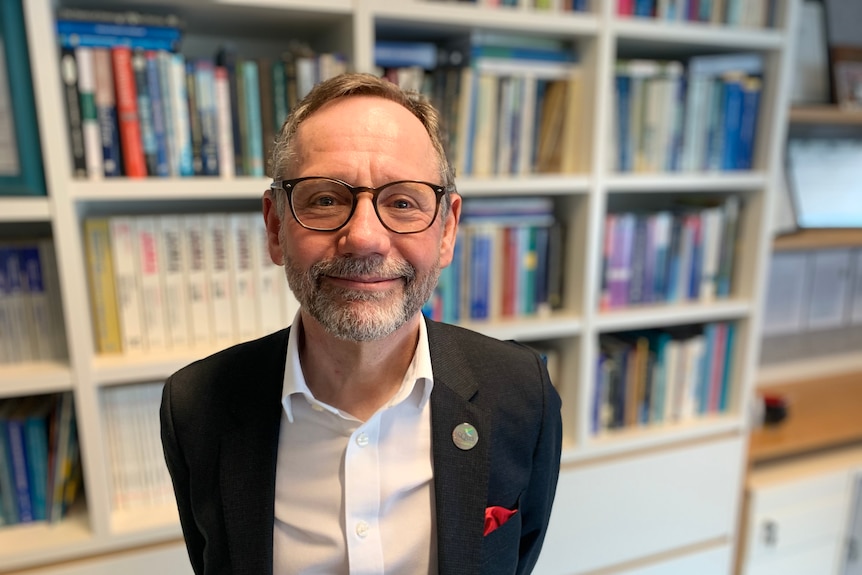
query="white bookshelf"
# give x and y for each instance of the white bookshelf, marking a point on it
(629, 463)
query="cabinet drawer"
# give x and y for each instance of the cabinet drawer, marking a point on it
(781, 530)
(623, 510)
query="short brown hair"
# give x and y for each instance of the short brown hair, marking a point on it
(356, 84)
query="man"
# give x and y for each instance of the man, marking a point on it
(364, 438)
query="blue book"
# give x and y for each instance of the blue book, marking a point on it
(180, 107)
(704, 370)
(17, 449)
(157, 115)
(479, 295)
(253, 142)
(125, 30)
(98, 41)
(145, 110)
(748, 123)
(204, 74)
(644, 8)
(695, 271)
(623, 86)
(106, 111)
(732, 116)
(453, 297)
(396, 54)
(8, 492)
(724, 396)
(36, 421)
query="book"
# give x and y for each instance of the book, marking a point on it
(70, 77)
(90, 126)
(64, 420)
(145, 112)
(173, 260)
(224, 123)
(12, 421)
(156, 94)
(218, 273)
(106, 110)
(149, 275)
(102, 289)
(128, 122)
(197, 278)
(8, 489)
(126, 282)
(241, 266)
(205, 105)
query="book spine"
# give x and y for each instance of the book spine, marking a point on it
(150, 281)
(36, 443)
(194, 113)
(64, 414)
(83, 27)
(123, 251)
(129, 125)
(269, 280)
(106, 109)
(160, 136)
(145, 112)
(221, 293)
(173, 260)
(197, 278)
(205, 92)
(40, 314)
(180, 113)
(253, 143)
(70, 76)
(165, 63)
(89, 116)
(103, 298)
(18, 457)
(241, 267)
(225, 122)
(67, 40)
(227, 59)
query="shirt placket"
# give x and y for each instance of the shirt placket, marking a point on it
(362, 500)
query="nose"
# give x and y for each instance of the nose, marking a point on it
(364, 234)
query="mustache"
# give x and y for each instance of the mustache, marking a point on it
(362, 267)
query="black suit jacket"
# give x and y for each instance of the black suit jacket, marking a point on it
(220, 421)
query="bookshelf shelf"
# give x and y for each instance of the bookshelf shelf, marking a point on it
(833, 365)
(24, 209)
(655, 437)
(34, 378)
(696, 36)
(818, 239)
(690, 183)
(669, 315)
(825, 115)
(581, 200)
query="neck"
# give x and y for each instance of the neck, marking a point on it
(356, 377)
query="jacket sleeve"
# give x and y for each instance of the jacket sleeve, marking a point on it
(537, 501)
(179, 471)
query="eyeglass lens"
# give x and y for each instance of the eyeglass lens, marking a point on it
(403, 207)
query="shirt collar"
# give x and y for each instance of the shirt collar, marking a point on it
(418, 372)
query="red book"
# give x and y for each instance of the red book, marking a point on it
(625, 7)
(134, 162)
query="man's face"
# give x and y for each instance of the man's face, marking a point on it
(362, 282)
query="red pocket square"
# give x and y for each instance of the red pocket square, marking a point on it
(496, 516)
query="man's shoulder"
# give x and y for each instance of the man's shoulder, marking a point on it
(474, 341)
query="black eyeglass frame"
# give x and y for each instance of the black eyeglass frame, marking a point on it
(287, 187)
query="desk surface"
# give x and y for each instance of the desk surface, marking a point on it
(822, 413)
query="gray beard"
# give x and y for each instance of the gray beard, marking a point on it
(356, 315)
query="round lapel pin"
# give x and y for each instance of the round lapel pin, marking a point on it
(465, 436)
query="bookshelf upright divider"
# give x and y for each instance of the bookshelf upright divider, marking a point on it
(655, 468)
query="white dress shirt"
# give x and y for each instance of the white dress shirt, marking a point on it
(355, 497)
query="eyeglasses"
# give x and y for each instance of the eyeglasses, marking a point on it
(326, 204)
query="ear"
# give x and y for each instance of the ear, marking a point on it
(450, 230)
(272, 219)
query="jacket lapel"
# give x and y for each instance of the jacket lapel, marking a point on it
(460, 476)
(248, 463)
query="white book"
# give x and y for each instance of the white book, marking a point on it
(269, 278)
(829, 287)
(7, 337)
(89, 121)
(694, 349)
(111, 433)
(165, 67)
(508, 89)
(712, 225)
(161, 492)
(197, 279)
(18, 294)
(485, 141)
(528, 125)
(123, 252)
(131, 469)
(241, 267)
(150, 277)
(173, 269)
(671, 379)
(224, 123)
(220, 292)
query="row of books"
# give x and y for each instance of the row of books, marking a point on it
(31, 324)
(744, 13)
(511, 105)
(659, 376)
(40, 467)
(669, 256)
(139, 477)
(701, 116)
(137, 108)
(538, 5)
(507, 262)
(161, 282)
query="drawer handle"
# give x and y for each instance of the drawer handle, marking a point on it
(770, 533)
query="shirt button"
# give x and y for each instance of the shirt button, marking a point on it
(362, 529)
(362, 440)
(316, 407)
